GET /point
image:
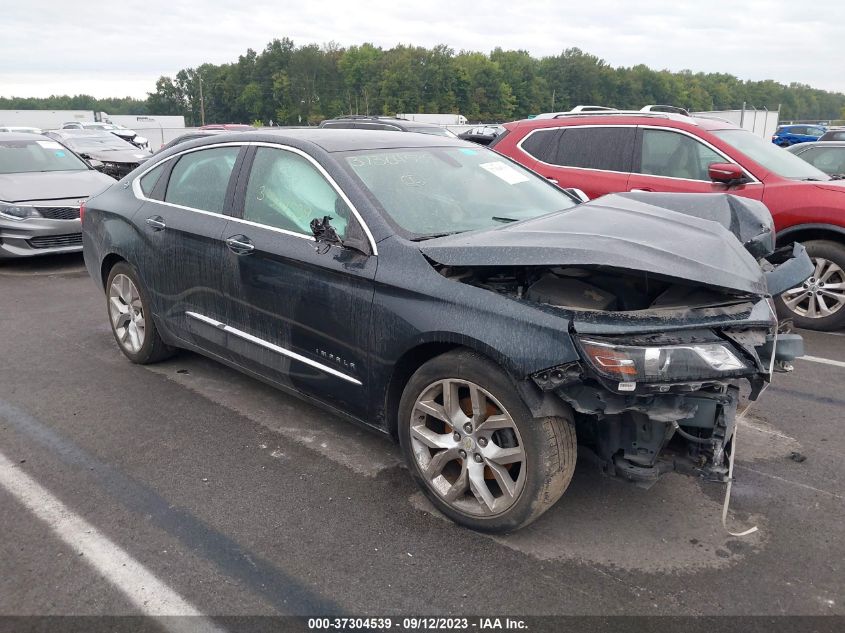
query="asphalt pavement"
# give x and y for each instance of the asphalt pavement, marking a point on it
(186, 487)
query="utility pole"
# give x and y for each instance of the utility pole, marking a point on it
(553, 100)
(202, 102)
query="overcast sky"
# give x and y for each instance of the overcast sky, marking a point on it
(121, 48)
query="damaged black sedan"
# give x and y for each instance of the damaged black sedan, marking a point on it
(438, 292)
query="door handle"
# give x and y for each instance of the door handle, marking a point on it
(641, 189)
(240, 245)
(156, 223)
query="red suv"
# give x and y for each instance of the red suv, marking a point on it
(609, 152)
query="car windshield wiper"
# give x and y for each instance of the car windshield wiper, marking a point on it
(431, 236)
(499, 218)
(837, 176)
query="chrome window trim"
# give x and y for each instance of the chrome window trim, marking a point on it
(272, 347)
(754, 180)
(139, 194)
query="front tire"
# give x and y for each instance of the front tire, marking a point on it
(474, 448)
(819, 303)
(131, 319)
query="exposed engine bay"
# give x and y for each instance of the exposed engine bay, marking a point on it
(593, 290)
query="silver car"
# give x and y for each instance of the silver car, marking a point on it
(42, 184)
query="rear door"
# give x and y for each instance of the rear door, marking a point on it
(298, 314)
(596, 159)
(674, 161)
(182, 222)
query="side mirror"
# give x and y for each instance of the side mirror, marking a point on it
(577, 193)
(729, 174)
(96, 164)
(326, 235)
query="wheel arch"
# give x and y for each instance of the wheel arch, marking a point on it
(806, 232)
(540, 403)
(415, 356)
(109, 262)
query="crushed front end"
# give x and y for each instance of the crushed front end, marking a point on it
(668, 299)
(649, 402)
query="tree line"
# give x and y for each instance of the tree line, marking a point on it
(299, 85)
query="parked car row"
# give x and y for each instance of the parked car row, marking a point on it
(603, 151)
(124, 133)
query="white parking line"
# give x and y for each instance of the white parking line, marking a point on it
(823, 361)
(146, 592)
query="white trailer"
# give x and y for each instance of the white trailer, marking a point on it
(157, 129)
(439, 119)
(44, 119)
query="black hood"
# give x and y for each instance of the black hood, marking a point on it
(613, 232)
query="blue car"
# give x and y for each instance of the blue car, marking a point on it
(787, 135)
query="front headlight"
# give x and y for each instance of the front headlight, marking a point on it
(18, 212)
(668, 363)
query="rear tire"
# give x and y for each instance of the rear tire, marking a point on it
(819, 303)
(489, 465)
(128, 306)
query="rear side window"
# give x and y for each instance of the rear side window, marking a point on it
(151, 178)
(200, 179)
(605, 148)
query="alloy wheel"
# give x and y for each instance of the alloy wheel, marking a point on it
(821, 295)
(467, 447)
(127, 313)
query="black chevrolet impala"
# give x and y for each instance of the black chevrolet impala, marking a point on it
(438, 292)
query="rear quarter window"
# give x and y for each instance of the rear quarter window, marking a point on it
(150, 179)
(542, 145)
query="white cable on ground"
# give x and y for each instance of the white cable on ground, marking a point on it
(739, 418)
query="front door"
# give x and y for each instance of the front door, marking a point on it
(298, 314)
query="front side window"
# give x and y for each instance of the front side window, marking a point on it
(675, 155)
(429, 191)
(605, 148)
(285, 191)
(200, 179)
(18, 157)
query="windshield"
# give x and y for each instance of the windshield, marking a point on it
(770, 156)
(18, 157)
(434, 191)
(435, 131)
(99, 143)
